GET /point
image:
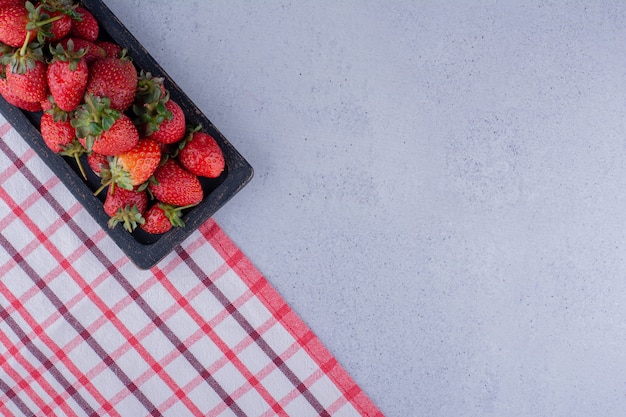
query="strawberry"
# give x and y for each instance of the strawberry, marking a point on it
(115, 78)
(156, 112)
(111, 48)
(139, 163)
(102, 129)
(67, 76)
(175, 185)
(133, 168)
(121, 137)
(98, 163)
(47, 104)
(87, 27)
(200, 154)
(93, 52)
(13, 99)
(126, 207)
(161, 217)
(171, 129)
(59, 135)
(56, 134)
(27, 79)
(13, 21)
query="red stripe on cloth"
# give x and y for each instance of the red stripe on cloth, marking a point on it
(4, 128)
(57, 352)
(28, 249)
(275, 303)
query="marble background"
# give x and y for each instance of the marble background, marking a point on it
(439, 190)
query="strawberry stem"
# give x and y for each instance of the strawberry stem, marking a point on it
(102, 187)
(92, 108)
(25, 46)
(80, 166)
(52, 19)
(75, 150)
(181, 208)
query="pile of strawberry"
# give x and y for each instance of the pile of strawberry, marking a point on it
(96, 104)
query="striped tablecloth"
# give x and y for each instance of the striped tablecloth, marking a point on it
(83, 332)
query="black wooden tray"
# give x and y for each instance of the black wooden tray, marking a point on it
(143, 249)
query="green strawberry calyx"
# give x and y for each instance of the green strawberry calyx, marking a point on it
(6, 50)
(116, 175)
(67, 54)
(174, 213)
(188, 136)
(149, 88)
(40, 21)
(129, 216)
(58, 114)
(67, 7)
(23, 59)
(149, 105)
(94, 117)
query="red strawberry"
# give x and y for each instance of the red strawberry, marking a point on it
(133, 168)
(172, 129)
(121, 137)
(98, 163)
(56, 134)
(111, 48)
(161, 217)
(14, 100)
(87, 27)
(156, 220)
(175, 185)
(126, 207)
(201, 155)
(59, 135)
(13, 21)
(47, 104)
(158, 116)
(67, 76)
(102, 129)
(115, 78)
(93, 51)
(29, 85)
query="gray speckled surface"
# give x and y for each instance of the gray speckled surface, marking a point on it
(439, 191)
